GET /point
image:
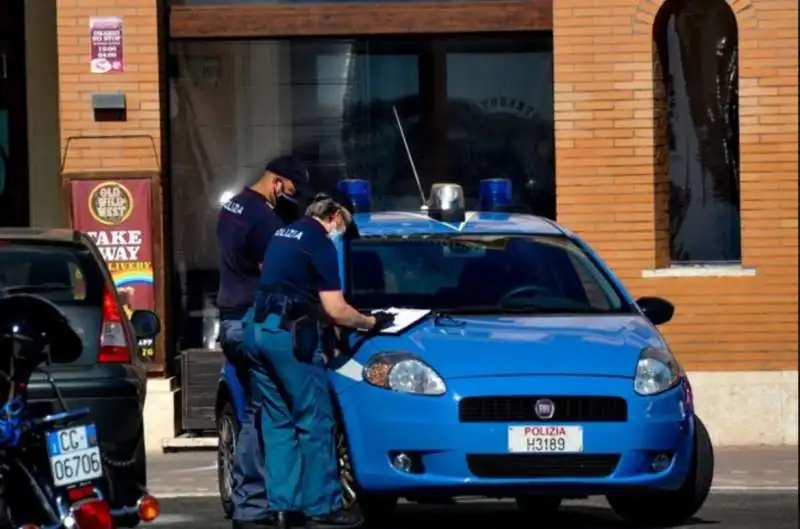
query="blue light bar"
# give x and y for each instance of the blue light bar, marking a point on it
(358, 192)
(494, 194)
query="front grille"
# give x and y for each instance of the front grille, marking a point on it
(522, 409)
(542, 465)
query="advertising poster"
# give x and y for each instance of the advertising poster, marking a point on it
(117, 216)
(105, 34)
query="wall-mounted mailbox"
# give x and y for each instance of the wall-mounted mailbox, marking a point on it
(109, 107)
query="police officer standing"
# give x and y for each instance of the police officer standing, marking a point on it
(298, 293)
(246, 224)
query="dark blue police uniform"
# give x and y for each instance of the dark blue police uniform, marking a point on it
(285, 344)
(246, 225)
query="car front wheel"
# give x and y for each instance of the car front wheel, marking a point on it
(375, 508)
(672, 507)
(227, 428)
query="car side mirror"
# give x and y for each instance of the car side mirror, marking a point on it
(657, 310)
(146, 324)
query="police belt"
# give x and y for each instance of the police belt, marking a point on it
(289, 308)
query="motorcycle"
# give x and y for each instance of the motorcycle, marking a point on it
(51, 467)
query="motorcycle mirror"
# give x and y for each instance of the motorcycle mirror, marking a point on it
(32, 324)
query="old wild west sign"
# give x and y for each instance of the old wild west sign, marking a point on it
(117, 216)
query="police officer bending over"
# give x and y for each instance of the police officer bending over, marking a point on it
(246, 224)
(299, 292)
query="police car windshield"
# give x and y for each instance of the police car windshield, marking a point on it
(479, 274)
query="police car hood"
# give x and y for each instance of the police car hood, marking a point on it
(607, 345)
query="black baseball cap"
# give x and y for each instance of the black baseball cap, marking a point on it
(293, 169)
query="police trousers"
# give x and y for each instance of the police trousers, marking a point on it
(297, 421)
(248, 494)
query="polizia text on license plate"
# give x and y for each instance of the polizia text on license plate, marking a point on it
(74, 455)
(545, 439)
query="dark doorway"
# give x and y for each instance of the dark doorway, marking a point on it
(13, 116)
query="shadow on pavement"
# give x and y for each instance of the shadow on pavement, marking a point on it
(508, 517)
(180, 513)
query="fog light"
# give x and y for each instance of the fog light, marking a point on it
(661, 462)
(149, 508)
(28, 526)
(403, 462)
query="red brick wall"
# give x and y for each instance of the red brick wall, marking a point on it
(604, 86)
(139, 82)
(611, 174)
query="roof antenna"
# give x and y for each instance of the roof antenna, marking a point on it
(424, 205)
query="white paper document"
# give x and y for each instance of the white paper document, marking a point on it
(403, 318)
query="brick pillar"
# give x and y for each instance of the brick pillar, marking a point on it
(612, 178)
(113, 149)
(139, 82)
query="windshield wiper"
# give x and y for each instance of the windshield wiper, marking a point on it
(521, 308)
(483, 309)
(445, 319)
(559, 309)
(34, 289)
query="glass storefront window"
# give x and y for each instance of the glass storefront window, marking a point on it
(3, 149)
(472, 107)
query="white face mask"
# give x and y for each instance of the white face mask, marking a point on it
(335, 234)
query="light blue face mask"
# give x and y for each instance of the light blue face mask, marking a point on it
(335, 235)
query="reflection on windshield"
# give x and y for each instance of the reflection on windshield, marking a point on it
(471, 274)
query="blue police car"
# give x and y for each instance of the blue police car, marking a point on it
(535, 376)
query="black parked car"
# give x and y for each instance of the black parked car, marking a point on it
(65, 267)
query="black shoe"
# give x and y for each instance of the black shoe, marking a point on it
(282, 520)
(340, 519)
(265, 523)
(288, 519)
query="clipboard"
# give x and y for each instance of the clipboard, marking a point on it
(403, 319)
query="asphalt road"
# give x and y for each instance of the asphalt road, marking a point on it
(753, 489)
(725, 510)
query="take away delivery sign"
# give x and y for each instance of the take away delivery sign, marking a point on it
(116, 214)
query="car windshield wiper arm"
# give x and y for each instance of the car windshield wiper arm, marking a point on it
(42, 287)
(485, 309)
(556, 309)
(519, 308)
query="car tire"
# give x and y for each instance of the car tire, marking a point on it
(376, 508)
(672, 507)
(373, 507)
(539, 504)
(227, 430)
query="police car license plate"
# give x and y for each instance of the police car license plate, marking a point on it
(74, 455)
(542, 439)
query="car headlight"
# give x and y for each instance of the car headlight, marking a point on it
(403, 372)
(656, 371)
